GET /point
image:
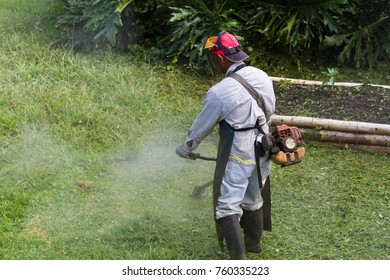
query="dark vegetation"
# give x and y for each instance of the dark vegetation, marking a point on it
(354, 31)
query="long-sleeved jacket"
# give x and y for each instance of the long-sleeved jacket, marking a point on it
(228, 100)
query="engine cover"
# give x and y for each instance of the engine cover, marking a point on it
(287, 145)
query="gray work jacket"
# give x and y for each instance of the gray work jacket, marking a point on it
(228, 100)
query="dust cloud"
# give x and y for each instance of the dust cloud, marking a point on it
(124, 185)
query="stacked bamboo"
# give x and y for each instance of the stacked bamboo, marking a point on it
(357, 135)
(317, 83)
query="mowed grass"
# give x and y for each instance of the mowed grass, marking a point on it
(88, 169)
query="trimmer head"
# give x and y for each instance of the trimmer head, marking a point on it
(199, 191)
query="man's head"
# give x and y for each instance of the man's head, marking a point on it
(224, 50)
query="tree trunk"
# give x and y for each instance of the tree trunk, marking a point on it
(350, 138)
(334, 125)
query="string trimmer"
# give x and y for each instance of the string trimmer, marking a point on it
(198, 191)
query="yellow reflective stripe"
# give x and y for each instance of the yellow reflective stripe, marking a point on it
(243, 161)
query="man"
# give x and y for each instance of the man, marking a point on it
(237, 196)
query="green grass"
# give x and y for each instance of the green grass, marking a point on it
(88, 169)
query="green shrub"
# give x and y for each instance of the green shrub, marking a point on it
(194, 23)
(296, 24)
(363, 35)
(103, 24)
(90, 23)
(354, 30)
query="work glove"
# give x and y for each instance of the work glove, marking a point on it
(184, 151)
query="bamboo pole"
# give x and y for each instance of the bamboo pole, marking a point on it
(349, 138)
(317, 83)
(334, 125)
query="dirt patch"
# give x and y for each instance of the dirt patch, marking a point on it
(33, 229)
(85, 185)
(363, 104)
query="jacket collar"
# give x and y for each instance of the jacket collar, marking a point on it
(233, 67)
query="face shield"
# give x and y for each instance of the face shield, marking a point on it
(212, 58)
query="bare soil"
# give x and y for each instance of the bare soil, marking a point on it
(363, 104)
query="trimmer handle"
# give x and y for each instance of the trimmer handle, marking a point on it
(198, 156)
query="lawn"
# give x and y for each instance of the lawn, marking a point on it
(88, 168)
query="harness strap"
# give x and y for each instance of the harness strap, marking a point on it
(257, 157)
(257, 126)
(249, 89)
(259, 152)
(239, 67)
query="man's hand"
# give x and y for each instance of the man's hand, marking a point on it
(185, 152)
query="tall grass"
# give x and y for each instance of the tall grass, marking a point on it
(88, 169)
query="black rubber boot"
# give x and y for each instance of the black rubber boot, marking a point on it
(252, 223)
(231, 230)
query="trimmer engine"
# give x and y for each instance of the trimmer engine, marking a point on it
(285, 144)
(288, 138)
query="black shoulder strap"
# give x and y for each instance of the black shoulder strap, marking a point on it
(260, 102)
(249, 89)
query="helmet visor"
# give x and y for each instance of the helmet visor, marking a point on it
(210, 43)
(213, 63)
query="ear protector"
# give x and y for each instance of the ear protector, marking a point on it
(226, 51)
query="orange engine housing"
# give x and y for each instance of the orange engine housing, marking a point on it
(283, 133)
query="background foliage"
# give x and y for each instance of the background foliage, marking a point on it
(355, 31)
